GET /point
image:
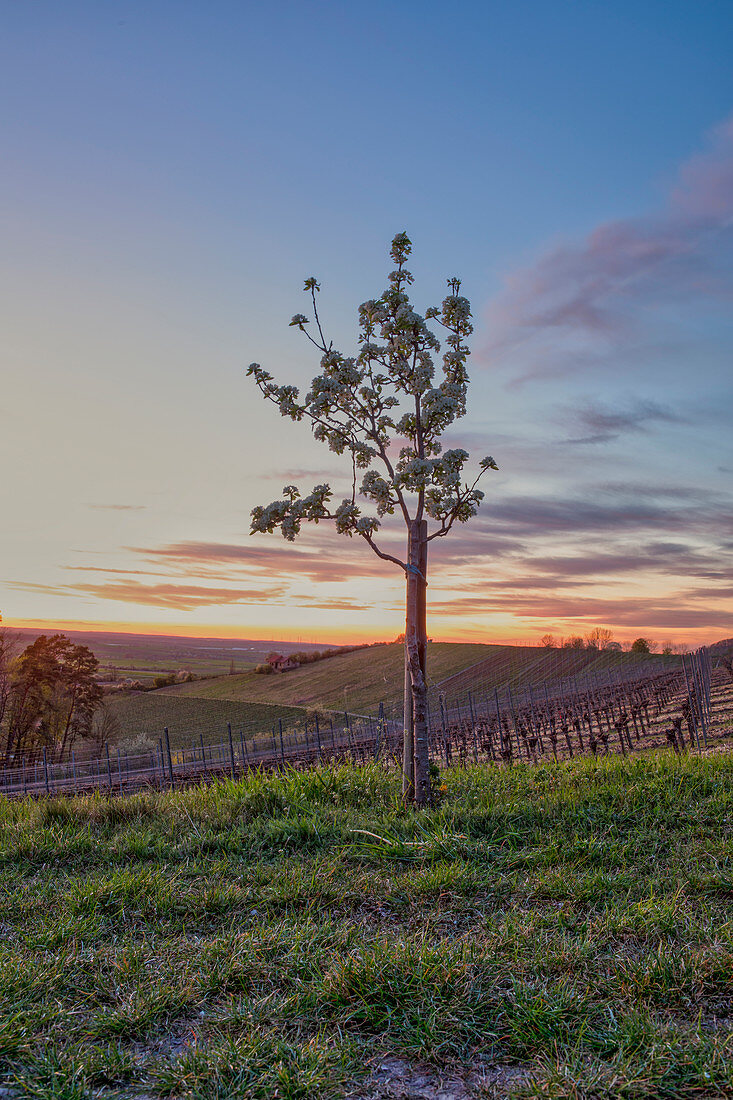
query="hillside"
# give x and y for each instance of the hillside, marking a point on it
(140, 719)
(520, 666)
(357, 682)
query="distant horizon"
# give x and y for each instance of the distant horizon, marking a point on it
(296, 638)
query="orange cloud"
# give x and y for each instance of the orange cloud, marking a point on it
(178, 597)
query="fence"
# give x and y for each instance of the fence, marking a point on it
(353, 737)
(633, 708)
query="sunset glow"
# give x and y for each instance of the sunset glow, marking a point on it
(165, 197)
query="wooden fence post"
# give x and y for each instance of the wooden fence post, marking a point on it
(473, 727)
(231, 747)
(168, 754)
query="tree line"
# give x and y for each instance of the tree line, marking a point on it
(602, 638)
(303, 657)
(49, 698)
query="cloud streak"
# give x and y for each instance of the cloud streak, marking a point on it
(675, 511)
(603, 424)
(675, 612)
(269, 559)
(176, 597)
(578, 301)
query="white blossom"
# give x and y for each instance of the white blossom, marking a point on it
(358, 405)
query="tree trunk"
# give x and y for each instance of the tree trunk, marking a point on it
(408, 749)
(416, 765)
(68, 725)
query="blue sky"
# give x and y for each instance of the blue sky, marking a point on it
(172, 172)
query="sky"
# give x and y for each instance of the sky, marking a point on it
(172, 171)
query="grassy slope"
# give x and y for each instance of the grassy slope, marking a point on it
(141, 718)
(568, 924)
(203, 707)
(355, 681)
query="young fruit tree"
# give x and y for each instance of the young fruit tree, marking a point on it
(383, 409)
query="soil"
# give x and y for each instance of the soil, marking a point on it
(395, 1079)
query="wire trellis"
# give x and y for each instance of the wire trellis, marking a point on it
(596, 712)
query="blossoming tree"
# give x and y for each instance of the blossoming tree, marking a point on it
(383, 409)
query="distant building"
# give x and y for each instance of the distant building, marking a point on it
(278, 663)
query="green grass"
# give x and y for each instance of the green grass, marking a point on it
(141, 718)
(566, 926)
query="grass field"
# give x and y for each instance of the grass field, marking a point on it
(141, 718)
(555, 931)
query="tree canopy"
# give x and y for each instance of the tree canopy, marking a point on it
(383, 409)
(51, 697)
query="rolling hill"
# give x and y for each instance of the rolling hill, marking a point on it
(357, 682)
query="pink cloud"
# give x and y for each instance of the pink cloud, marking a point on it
(705, 188)
(578, 299)
(175, 597)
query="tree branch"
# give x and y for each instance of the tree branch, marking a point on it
(380, 553)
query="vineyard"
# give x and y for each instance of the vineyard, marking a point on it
(356, 681)
(622, 707)
(141, 718)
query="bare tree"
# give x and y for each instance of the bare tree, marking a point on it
(599, 638)
(105, 726)
(382, 409)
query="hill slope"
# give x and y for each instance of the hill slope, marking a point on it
(520, 666)
(360, 681)
(140, 719)
(357, 682)
(354, 681)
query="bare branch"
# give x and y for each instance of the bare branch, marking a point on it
(381, 554)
